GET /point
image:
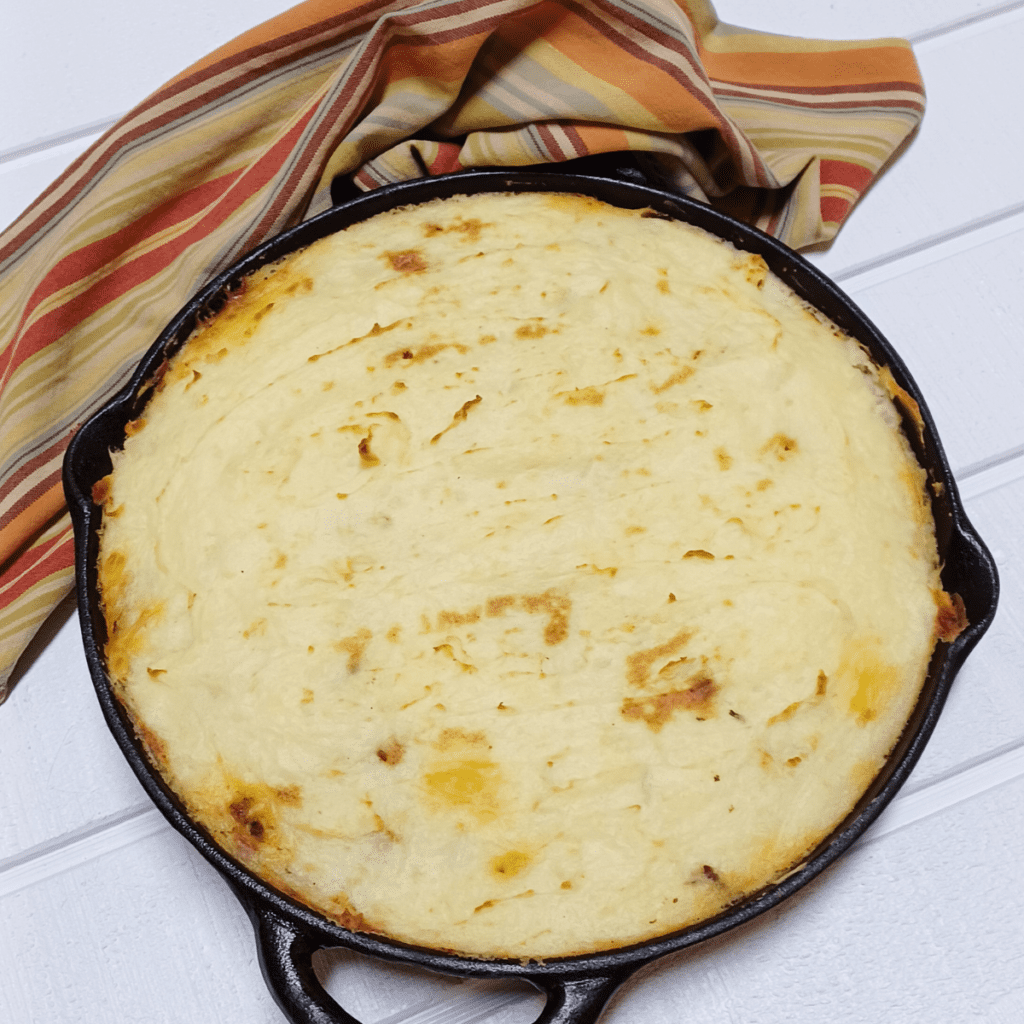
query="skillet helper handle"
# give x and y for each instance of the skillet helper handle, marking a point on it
(286, 960)
(578, 1000)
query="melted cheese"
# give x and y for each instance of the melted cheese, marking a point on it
(518, 575)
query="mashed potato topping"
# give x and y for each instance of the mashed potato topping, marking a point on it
(518, 575)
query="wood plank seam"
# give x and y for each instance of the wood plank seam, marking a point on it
(990, 474)
(75, 848)
(76, 134)
(968, 24)
(932, 249)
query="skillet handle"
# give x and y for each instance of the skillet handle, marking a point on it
(286, 960)
(577, 1000)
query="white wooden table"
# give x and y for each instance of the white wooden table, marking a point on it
(106, 914)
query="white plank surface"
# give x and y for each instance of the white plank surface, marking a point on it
(72, 64)
(108, 915)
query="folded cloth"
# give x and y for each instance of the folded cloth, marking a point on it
(784, 133)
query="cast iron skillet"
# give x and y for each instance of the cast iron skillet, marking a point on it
(287, 933)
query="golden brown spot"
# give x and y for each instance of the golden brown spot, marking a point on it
(123, 640)
(446, 619)
(903, 398)
(655, 711)
(913, 478)
(409, 357)
(196, 375)
(392, 752)
(870, 679)
(709, 873)
(703, 406)
(579, 206)
(820, 686)
(756, 269)
(304, 284)
(469, 229)
(583, 396)
(499, 605)
(366, 456)
(531, 330)
(383, 829)
(281, 561)
(252, 809)
(450, 739)
(155, 747)
(341, 911)
(566, 884)
(393, 634)
(307, 696)
(449, 651)
(239, 810)
(950, 616)
(156, 673)
(794, 761)
(409, 261)
(556, 607)
(510, 864)
(651, 331)
(786, 713)
(766, 760)
(671, 668)
(633, 530)
(780, 446)
(257, 628)
(700, 553)
(671, 598)
(354, 646)
(457, 418)
(132, 427)
(468, 783)
(639, 665)
(101, 490)
(550, 603)
(724, 458)
(763, 485)
(676, 378)
(663, 286)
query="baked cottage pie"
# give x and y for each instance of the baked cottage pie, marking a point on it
(518, 575)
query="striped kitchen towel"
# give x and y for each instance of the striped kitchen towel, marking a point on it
(784, 133)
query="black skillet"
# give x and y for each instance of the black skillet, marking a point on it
(288, 933)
